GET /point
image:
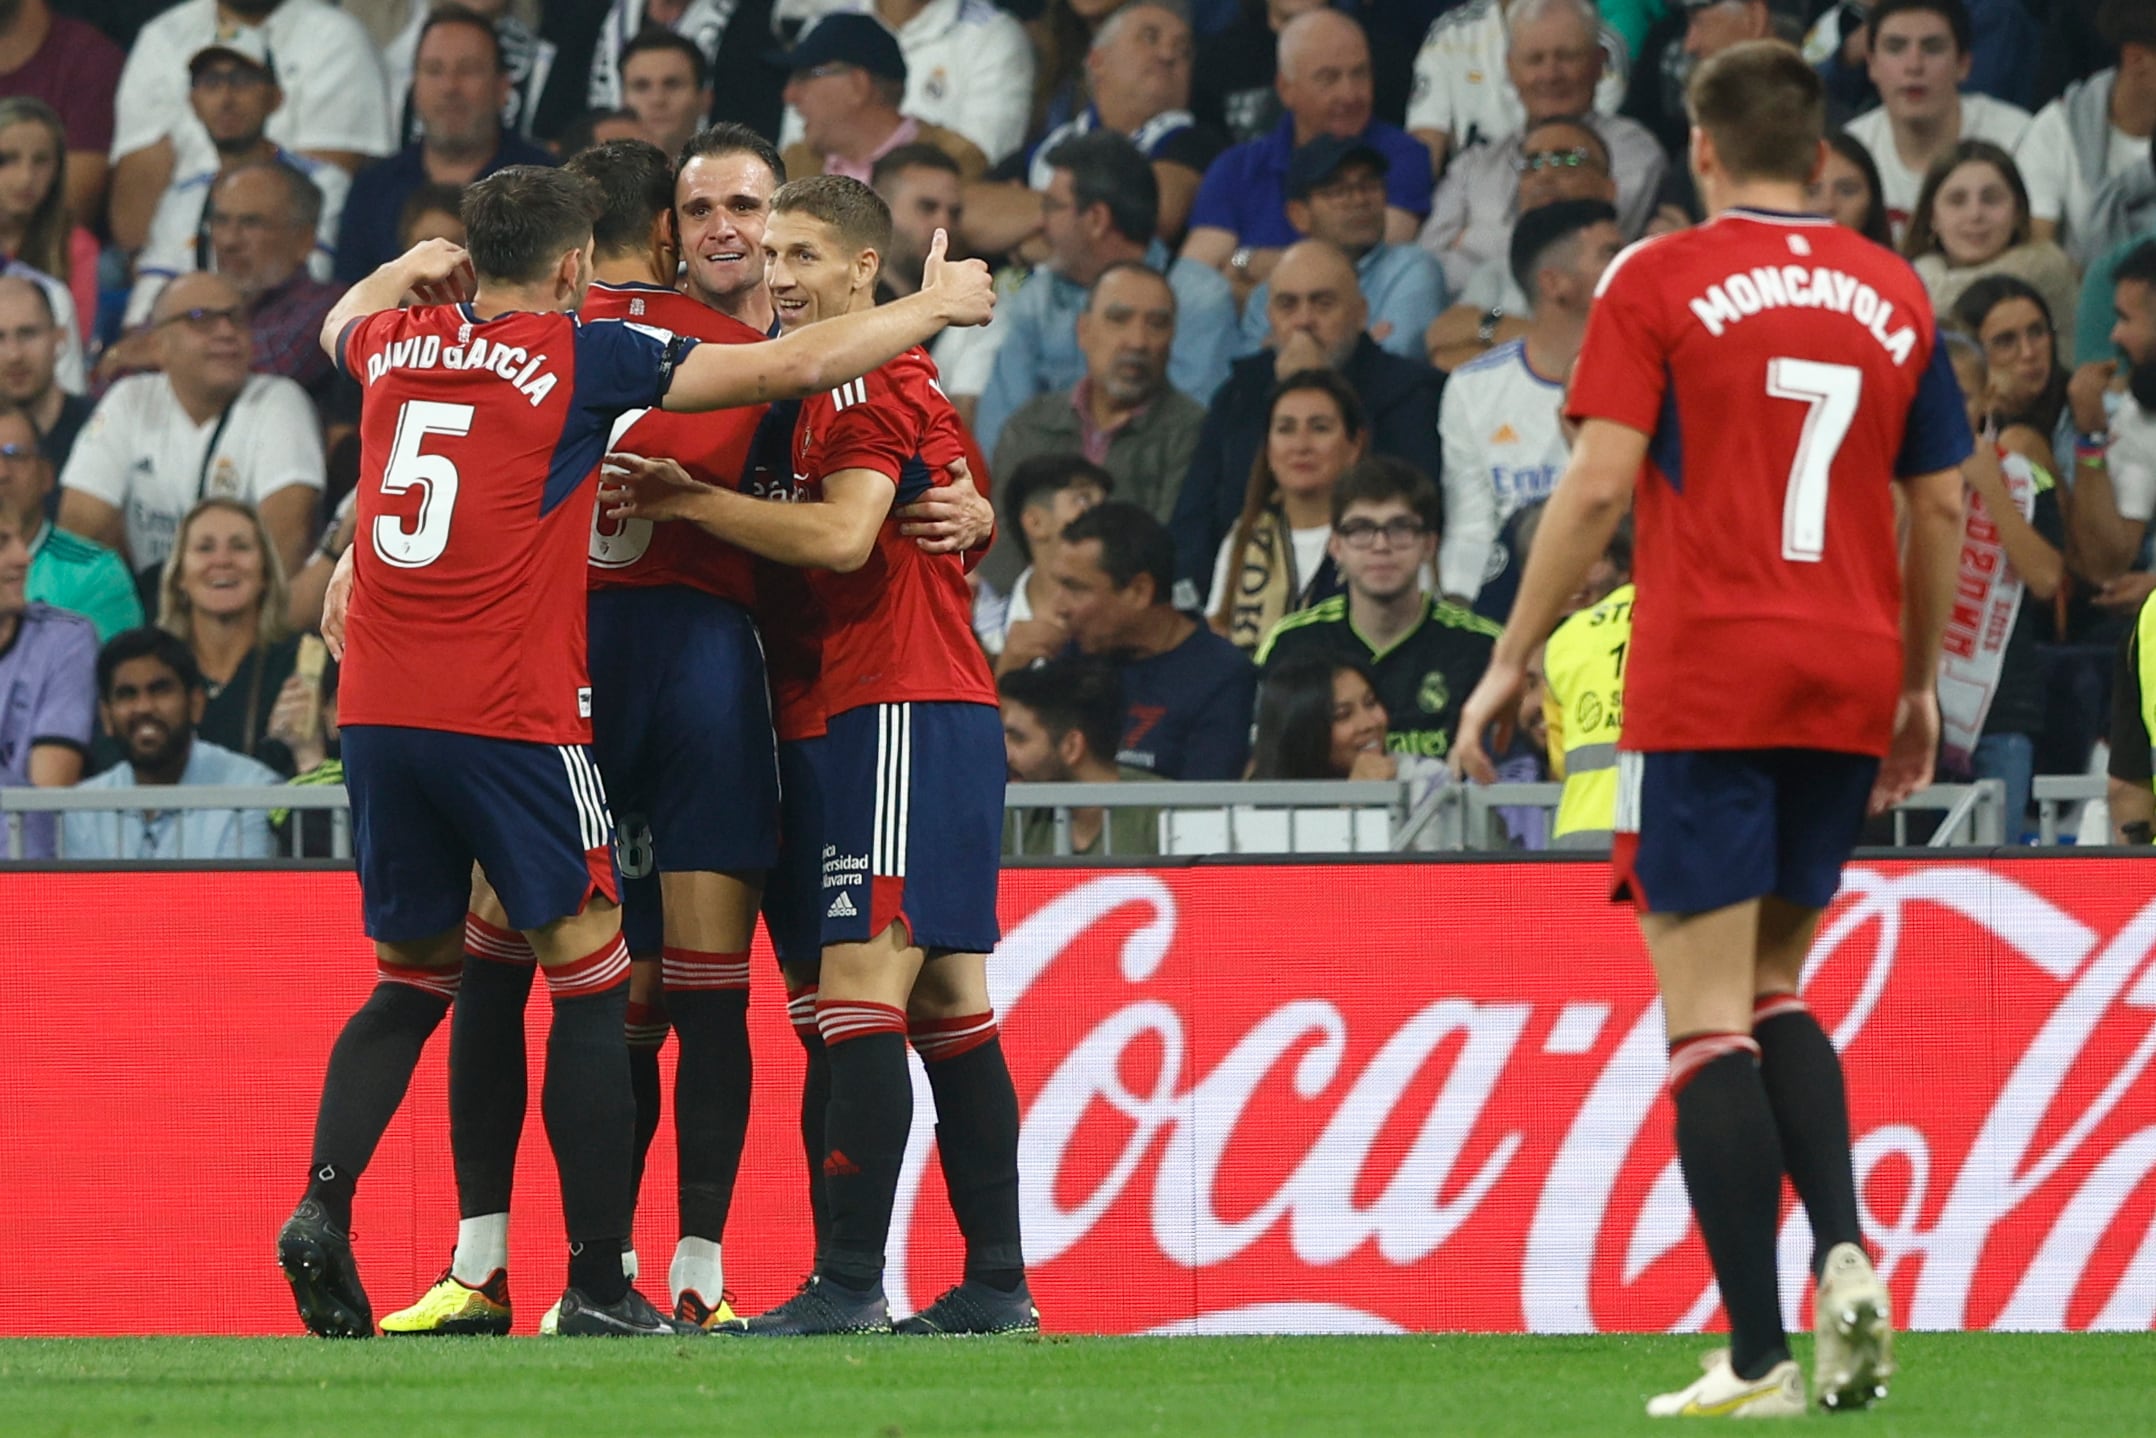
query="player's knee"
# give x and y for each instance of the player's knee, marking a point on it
(949, 986)
(435, 953)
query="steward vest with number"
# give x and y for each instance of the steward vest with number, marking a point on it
(1583, 705)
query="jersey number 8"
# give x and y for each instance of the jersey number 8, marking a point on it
(433, 475)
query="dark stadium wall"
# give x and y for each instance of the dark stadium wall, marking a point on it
(1257, 1098)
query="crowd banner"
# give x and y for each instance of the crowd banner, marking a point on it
(1257, 1098)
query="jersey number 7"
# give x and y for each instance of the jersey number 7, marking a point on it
(433, 475)
(1830, 393)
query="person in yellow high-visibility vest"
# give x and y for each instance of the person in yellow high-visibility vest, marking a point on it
(1583, 709)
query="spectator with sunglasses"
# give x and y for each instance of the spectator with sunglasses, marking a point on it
(1423, 652)
(1472, 213)
(203, 425)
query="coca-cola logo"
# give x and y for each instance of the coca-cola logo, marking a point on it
(1241, 1086)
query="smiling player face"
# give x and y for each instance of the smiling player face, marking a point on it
(721, 205)
(811, 273)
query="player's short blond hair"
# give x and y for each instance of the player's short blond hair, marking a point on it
(1764, 108)
(853, 211)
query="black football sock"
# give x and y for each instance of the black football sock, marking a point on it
(370, 1067)
(1803, 1078)
(645, 1028)
(815, 1102)
(488, 1078)
(865, 1128)
(977, 1141)
(1733, 1173)
(591, 1115)
(712, 1077)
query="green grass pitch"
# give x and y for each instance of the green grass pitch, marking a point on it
(1975, 1384)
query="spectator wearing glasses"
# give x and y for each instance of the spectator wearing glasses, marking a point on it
(150, 699)
(1336, 193)
(1423, 652)
(1555, 60)
(234, 93)
(263, 217)
(47, 661)
(157, 444)
(1062, 722)
(66, 571)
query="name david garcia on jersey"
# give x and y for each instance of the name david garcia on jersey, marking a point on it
(526, 372)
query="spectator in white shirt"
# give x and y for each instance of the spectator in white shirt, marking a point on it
(528, 59)
(233, 91)
(969, 68)
(2084, 154)
(159, 443)
(1919, 61)
(336, 97)
(1464, 92)
(1500, 420)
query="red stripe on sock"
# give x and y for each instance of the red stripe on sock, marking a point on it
(801, 1009)
(1693, 1052)
(504, 946)
(595, 973)
(699, 969)
(937, 1040)
(842, 1019)
(442, 983)
(1773, 1006)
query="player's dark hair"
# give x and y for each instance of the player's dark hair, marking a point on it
(429, 198)
(730, 137)
(453, 14)
(635, 181)
(147, 642)
(1975, 307)
(1263, 490)
(654, 38)
(1876, 226)
(920, 155)
(1294, 737)
(1381, 478)
(1132, 543)
(1040, 479)
(2127, 22)
(1764, 108)
(2138, 265)
(1128, 267)
(853, 211)
(1953, 12)
(1923, 237)
(1538, 233)
(1072, 693)
(519, 220)
(1107, 169)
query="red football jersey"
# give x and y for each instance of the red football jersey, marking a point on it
(1784, 370)
(900, 627)
(480, 443)
(714, 447)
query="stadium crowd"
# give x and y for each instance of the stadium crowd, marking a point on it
(1290, 296)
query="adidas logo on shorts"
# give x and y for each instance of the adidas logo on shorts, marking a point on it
(842, 907)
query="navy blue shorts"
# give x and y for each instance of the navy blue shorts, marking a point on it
(793, 890)
(428, 804)
(1703, 829)
(913, 819)
(681, 724)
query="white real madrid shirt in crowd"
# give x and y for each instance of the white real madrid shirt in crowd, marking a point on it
(179, 239)
(2131, 460)
(1504, 449)
(1463, 89)
(528, 59)
(336, 96)
(1982, 118)
(2056, 172)
(969, 68)
(142, 454)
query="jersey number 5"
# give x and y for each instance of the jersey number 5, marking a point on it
(1829, 393)
(433, 475)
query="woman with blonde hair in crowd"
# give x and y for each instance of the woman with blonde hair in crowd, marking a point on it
(1972, 221)
(35, 227)
(1274, 561)
(224, 594)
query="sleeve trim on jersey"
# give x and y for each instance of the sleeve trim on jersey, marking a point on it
(343, 356)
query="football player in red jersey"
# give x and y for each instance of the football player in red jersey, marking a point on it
(482, 429)
(912, 814)
(1751, 388)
